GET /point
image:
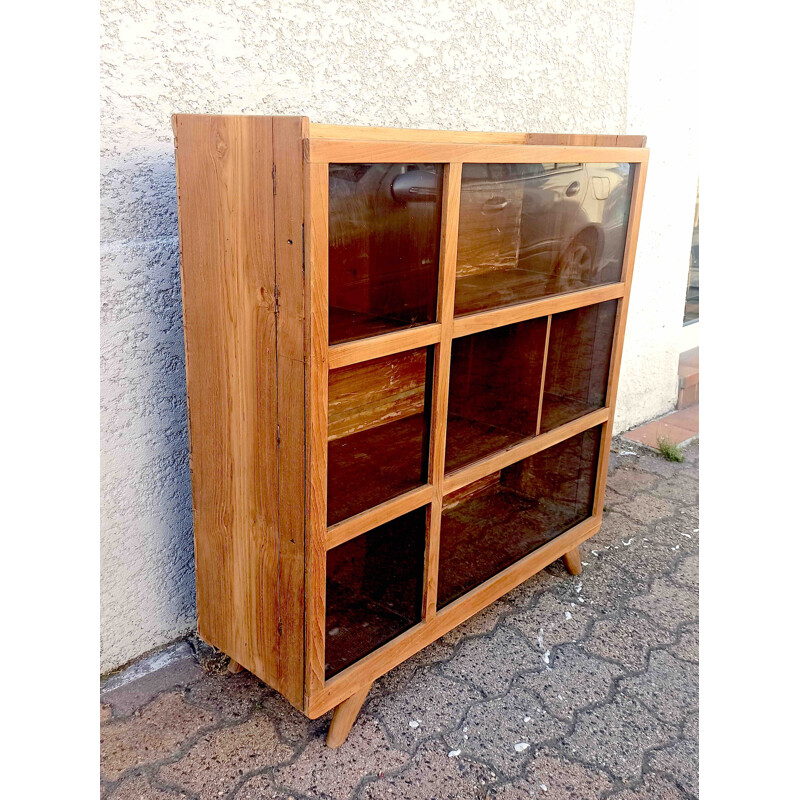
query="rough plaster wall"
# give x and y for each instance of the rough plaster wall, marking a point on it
(662, 103)
(557, 65)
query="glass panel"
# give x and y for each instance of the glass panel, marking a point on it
(578, 360)
(530, 230)
(495, 382)
(378, 431)
(374, 589)
(383, 259)
(494, 522)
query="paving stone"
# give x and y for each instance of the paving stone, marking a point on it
(552, 621)
(635, 551)
(668, 604)
(646, 509)
(669, 688)
(613, 499)
(683, 489)
(574, 681)
(261, 787)
(230, 697)
(444, 648)
(632, 481)
(490, 662)
(137, 787)
(625, 639)
(105, 713)
(614, 529)
(126, 693)
(518, 790)
(292, 725)
(484, 621)
(678, 531)
(691, 453)
(688, 572)
(149, 735)
(691, 728)
(495, 731)
(616, 736)
(606, 590)
(659, 465)
(682, 761)
(219, 758)
(396, 679)
(551, 578)
(555, 778)
(440, 650)
(653, 787)
(433, 774)
(434, 702)
(321, 771)
(688, 646)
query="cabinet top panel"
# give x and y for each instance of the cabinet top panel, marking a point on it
(365, 133)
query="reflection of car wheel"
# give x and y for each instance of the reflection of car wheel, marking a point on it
(577, 261)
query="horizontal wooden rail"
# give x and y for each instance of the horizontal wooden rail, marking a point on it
(344, 151)
(508, 315)
(367, 134)
(528, 447)
(404, 646)
(363, 133)
(387, 344)
(354, 526)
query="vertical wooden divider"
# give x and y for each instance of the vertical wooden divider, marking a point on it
(288, 134)
(448, 244)
(544, 374)
(316, 248)
(631, 241)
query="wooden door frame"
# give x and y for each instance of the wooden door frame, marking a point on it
(330, 144)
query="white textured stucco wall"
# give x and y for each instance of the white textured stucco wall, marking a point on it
(662, 103)
(557, 65)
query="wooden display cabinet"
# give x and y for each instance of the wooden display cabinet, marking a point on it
(402, 354)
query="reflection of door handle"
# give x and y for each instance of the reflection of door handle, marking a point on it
(573, 189)
(495, 204)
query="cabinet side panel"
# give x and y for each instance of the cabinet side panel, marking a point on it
(287, 141)
(226, 218)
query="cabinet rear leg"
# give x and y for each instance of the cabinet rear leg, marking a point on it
(572, 561)
(344, 715)
(234, 667)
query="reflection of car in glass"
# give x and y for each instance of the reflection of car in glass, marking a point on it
(549, 227)
(384, 242)
(563, 221)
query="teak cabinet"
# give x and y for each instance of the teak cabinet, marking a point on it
(402, 358)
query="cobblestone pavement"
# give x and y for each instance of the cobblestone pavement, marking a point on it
(569, 687)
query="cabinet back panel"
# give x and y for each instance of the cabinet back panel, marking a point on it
(376, 392)
(378, 431)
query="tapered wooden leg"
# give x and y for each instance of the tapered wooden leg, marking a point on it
(572, 561)
(344, 715)
(235, 667)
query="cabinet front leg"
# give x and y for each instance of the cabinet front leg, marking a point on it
(572, 561)
(344, 715)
